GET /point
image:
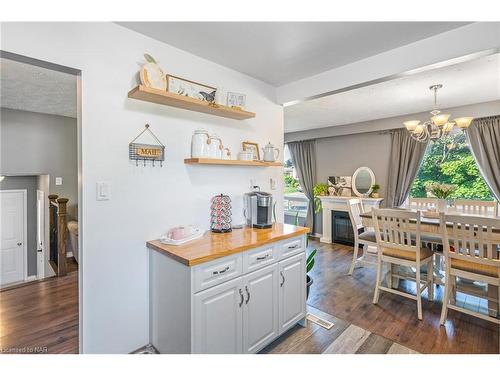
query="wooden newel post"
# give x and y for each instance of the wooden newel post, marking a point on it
(61, 235)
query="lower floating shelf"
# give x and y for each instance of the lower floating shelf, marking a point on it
(252, 163)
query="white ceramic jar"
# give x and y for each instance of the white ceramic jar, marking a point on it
(215, 149)
(200, 144)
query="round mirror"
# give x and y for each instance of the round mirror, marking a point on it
(362, 181)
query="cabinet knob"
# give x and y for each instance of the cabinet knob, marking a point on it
(19, 243)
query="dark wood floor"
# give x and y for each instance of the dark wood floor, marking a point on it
(41, 317)
(394, 318)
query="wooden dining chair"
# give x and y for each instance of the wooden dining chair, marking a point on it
(362, 236)
(472, 253)
(476, 207)
(423, 204)
(400, 243)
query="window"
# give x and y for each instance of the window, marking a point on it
(296, 202)
(450, 161)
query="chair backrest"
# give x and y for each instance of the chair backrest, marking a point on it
(475, 207)
(397, 229)
(471, 237)
(355, 207)
(423, 204)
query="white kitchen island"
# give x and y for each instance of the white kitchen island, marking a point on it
(227, 293)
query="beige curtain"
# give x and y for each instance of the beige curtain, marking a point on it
(484, 140)
(304, 159)
(406, 157)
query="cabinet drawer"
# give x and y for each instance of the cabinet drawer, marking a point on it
(215, 272)
(255, 259)
(291, 247)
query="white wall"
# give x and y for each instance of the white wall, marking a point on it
(144, 201)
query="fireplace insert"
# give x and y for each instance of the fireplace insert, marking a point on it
(342, 228)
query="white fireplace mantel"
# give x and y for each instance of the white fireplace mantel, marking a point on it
(331, 203)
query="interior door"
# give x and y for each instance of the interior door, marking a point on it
(260, 311)
(292, 291)
(12, 235)
(217, 321)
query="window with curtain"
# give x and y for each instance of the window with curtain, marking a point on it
(296, 202)
(449, 161)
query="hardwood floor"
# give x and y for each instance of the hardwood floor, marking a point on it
(349, 298)
(41, 317)
(342, 338)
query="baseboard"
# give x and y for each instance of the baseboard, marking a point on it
(30, 278)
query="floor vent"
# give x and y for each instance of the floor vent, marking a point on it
(147, 349)
(321, 322)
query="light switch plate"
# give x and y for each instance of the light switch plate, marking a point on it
(272, 182)
(58, 180)
(102, 191)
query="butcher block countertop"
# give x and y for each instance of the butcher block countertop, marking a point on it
(217, 245)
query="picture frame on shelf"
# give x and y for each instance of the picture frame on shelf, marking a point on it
(253, 147)
(236, 100)
(191, 89)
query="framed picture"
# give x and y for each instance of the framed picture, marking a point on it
(340, 185)
(236, 100)
(185, 87)
(253, 147)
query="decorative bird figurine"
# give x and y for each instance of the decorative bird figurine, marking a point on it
(208, 97)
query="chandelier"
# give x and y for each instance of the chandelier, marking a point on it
(438, 126)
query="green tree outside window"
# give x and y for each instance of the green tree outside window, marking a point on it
(449, 161)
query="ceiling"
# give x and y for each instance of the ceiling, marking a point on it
(283, 52)
(31, 88)
(466, 83)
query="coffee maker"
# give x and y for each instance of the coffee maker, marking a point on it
(258, 209)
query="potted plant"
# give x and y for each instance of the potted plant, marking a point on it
(309, 267)
(441, 191)
(319, 190)
(375, 189)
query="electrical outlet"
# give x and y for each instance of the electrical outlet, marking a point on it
(58, 180)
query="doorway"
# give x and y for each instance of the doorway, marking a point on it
(40, 147)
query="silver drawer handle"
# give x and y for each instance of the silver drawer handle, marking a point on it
(282, 278)
(293, 247)
(241, 298)
(248, 295)
(221, 271)
(262, 258)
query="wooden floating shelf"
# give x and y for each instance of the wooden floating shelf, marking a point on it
(148, 94)
(207, 161)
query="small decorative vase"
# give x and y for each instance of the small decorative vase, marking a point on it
(375, 195)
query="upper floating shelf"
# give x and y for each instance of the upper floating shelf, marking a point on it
(148, 94)
(232, 162)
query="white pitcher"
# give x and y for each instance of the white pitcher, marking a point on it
(269, 153)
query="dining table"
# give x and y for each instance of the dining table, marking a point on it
(431, 227)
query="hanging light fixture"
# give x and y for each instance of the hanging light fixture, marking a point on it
(438, 126)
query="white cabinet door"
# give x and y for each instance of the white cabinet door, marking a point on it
(292, 291)
(217, 320)
(260, 310)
